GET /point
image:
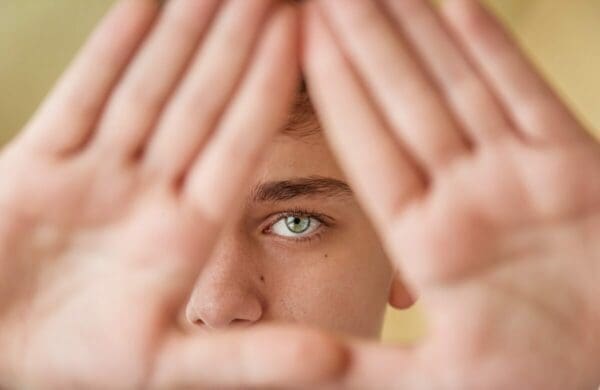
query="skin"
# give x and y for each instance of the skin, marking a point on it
(487, 195)
(469, 167)
(335, 277)
(113, 197)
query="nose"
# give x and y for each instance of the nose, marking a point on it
(219, 308)
(226, 293)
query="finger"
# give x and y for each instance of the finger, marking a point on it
(211, 83)
(528, 99)
(66, 120)
(140, 97)
(409, 101)
(382, 173)
(263, 357)
(258, 110)
(472, 102)
(376, 366)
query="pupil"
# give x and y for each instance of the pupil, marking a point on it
(298, 225)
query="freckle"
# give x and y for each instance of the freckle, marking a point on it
(262, 278)
(326, 255)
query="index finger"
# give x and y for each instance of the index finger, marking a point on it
(262, 357)
(384, 174)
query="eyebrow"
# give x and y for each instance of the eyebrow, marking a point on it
(282, 190)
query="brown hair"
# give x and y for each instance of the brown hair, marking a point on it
(302, 121)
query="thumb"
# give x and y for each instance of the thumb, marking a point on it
(263, 357)
(376, 366)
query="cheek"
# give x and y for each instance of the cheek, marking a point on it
(337, 288)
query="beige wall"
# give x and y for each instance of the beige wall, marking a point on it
(38, 37)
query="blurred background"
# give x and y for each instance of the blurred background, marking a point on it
(39, 37)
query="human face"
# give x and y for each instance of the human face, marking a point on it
(302, 251)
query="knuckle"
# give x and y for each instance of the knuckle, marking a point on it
(196, 102)
(148, 97)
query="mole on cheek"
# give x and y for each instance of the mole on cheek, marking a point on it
(262, 278)
(326, 255)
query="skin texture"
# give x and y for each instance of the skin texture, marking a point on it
(487, 195)
(104, 230)
(337, 277)
(482, 186)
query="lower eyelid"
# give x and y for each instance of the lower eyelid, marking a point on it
(306, 239)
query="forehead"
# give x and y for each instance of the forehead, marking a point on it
(300, 148)
(292, 155)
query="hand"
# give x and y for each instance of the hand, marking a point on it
(483, 187)
(115, 192)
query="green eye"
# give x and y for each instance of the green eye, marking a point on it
(297, 225)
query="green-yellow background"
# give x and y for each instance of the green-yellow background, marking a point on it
(38, 37)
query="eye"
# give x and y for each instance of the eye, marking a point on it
(295, 226)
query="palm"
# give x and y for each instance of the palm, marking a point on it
(483, 187)
(510, 224)
(113, 194)
(85, 246)
(484, 204)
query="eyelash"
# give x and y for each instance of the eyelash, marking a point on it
(325, 221)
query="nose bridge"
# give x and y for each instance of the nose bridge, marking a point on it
(226, 292)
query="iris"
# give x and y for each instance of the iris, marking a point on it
(297, 225)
